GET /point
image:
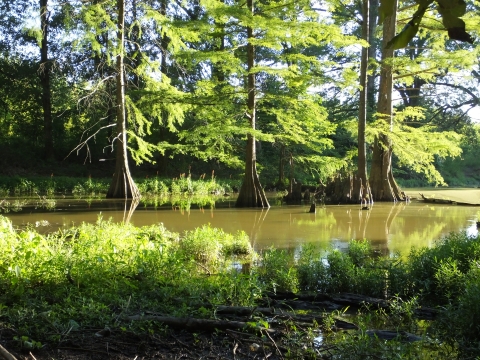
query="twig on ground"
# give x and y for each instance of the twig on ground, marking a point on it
(275, 344)
(4, 354)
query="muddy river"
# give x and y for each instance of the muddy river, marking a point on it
(390, 227)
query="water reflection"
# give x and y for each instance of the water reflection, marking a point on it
(390, 227)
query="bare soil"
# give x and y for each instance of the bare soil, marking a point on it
(171, 345)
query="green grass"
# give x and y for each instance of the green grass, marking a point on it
(154, 186)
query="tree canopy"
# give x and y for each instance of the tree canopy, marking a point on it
(214, 84)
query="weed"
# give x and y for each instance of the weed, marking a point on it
(277, 270)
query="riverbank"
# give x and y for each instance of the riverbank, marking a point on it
(118, 291)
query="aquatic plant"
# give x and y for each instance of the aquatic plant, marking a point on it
(90, 188)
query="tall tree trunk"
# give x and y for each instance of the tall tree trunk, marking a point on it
(122, 185)
(44, 72)
(251, 193)
(165, 41)
(361, 190)
(383, 185)
(135, 39)
(162, 159)
(281, 169)
(219, 45)
(372, 53)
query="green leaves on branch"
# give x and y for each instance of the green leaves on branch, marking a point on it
(418, 147)
(409, 31)
(451, 12)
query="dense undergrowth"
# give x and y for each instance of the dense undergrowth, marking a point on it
(93, 275)
(148, 186)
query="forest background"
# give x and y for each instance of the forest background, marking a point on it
(205, 87)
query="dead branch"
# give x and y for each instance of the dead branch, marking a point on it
(193, 324)
(85, 142)
(394, 335)
(4, 354)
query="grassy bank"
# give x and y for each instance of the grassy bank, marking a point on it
(155, 186)
(57, 287)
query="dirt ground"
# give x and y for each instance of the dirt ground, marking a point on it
(172, 345)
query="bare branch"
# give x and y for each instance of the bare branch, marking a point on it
(85, 142)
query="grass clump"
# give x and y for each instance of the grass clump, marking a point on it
(91, 188)
(80, 186)
(210, 246)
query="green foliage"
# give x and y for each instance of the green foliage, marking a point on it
(312, 271)
(277, 271)
(418, 148)
(90, 188)
(75, 277)
(439, 273)
(462, 171)
(461, 319)
(209, 246)
(450, 11)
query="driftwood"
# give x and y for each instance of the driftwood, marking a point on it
(432, 200)
(280, 306)
(272, 312)
(326, 302)
(336, 302)
(4, 354)
(193, 324)
(356, 300)
(437, 201)
(393, 335)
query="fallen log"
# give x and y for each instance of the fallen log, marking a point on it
(336, 302)
(238, 310)
(193, 324)
(437, 201)
(357, 300)
(243, 311)
(432, 200)
(393, 335)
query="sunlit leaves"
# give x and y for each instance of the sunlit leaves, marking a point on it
(418, 147)
(451, 12)
(409, 31)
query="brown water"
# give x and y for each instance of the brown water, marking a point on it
(390, 227)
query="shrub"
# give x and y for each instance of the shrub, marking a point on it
(433, 268)
(212, 246)
(312, 270)
(277, 271)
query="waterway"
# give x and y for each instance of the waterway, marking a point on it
(390, 227)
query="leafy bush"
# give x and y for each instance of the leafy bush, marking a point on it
(211, 246)
(277, 271)
(431, 269)
(312, 270)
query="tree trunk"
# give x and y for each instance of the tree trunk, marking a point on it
(281, 169)
(219, 45)
(382, 183)
(361, 187)
(251, 193)
(45, 81)
(122, 185)
(162, 159)
(372, 51)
